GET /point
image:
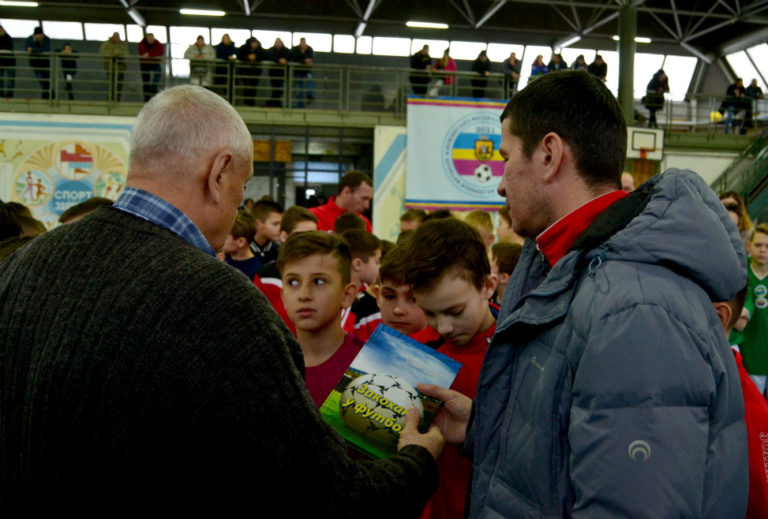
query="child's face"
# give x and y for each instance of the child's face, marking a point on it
(270, 227)
(232, 245)
(759, 248)
(456, 308)
(369, 271)
(313, 292)
(399, 309)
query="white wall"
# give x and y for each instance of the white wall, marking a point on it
(709, 165)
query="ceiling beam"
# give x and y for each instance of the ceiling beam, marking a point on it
(665, 26)
(696, 52)
(372, 5)
(497, 4)
(355, 7)
(575, 15)
(709, 29)
(677, 19)
(465, 11)
(246, 7)
(570, 22)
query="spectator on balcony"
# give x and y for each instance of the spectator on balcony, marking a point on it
(754, 91)
(114, 51)
(538, 68)
(557, 63)
(422, 63)
(512, 67)
(303, 55)
(482, 67)
(444, 65)
(249, 57)
(7, 64)
(735, 102)
(226, 55)
(39, 50)
(279, 55)
(580, 64)
(598, 68)
(151, 53)
(654, 95)
(68, 66)
(201, 57)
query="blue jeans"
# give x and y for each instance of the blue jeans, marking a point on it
(302, 84)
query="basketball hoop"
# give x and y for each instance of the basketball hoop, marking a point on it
(644, 152)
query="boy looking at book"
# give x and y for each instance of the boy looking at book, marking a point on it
(268, 215)
(315, 269)
(504, 256)
(453, 289)
(365, 250)
(754, 347)
(397, 304)
(237, 249)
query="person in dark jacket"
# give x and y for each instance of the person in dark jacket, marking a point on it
(482, 68)
(249, 58)
(7, 64)
(557, 63)
(279, 55)
(598, 68)
(512, 67)
(303, 55)
(68, 65)
(654, 95)
(226, 56)
(735, 102)
(422, 63)
(39, 50)
(609, 389)
(580, 63)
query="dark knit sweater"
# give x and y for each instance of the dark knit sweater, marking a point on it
(140, 377)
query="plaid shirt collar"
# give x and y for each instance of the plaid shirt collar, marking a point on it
(156, 210)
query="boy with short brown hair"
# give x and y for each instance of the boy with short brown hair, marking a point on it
(267, 215)
(365, 250)
(482, 222)
(504, 257)
(237, 248)
(315, 269)
(448, 269)
(397, 304)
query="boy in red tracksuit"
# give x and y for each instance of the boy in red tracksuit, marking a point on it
(453, 289)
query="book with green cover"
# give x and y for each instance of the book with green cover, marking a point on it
(368, 405)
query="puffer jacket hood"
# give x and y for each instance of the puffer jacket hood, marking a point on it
(686, 228)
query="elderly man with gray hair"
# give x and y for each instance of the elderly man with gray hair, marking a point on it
(142, 376)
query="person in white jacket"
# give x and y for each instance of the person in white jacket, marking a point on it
(201, 57)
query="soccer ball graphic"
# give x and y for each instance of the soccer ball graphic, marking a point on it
(375, 405)
(483, 173)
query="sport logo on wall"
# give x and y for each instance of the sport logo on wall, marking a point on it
(453, 153)
(59, 175)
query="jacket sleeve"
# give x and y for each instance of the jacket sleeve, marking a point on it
(642, 429)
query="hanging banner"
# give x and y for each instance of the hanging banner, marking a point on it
(453, 159)
(51, 162)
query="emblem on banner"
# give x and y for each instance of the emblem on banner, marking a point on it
(484, 149)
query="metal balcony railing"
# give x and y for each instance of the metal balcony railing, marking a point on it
(91, 78)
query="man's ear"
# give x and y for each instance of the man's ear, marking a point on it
(489, 286)
(723, 313)
(215, 177)
(350, 293)
(357, 264)
(552, 149)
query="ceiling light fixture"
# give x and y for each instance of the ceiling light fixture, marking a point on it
(426, 25)
(11, 3)
(638, 39)
(568, 42)
(202, 12)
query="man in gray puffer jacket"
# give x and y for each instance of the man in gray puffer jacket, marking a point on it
(609, 389)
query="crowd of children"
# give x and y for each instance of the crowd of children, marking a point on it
(333, 288)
